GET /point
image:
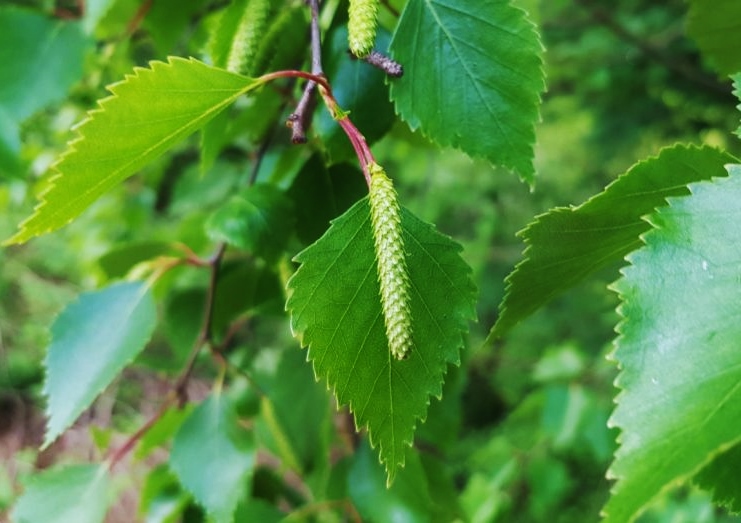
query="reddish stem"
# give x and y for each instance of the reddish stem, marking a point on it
(365, 156)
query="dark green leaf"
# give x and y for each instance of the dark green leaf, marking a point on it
(567, 244)
(472, 78)
(720, 476)
(259, 219)
(320, 195)
(336, 311)
(71, 494)
(715, 27)
(213, 458)
(680, 400)
(93, 339)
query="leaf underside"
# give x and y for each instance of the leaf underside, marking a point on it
(567, 244)
(93, 339)
(148, 112)
(335, 310)
(680, 398)
(486, 100)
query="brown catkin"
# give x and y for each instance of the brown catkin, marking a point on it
(391, 262)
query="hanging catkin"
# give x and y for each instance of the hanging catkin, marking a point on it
(391, 262)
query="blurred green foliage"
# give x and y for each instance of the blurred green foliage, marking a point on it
(520, 434)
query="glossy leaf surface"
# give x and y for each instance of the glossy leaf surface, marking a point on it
(154, 109)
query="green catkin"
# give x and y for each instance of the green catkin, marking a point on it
(282, 39)
(361, 26)
(250, 30)
(391, 262)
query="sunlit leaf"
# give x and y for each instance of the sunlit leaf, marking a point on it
(93, 339)
(148, 113)
(472, 78)
(680, 400)
(336, 311)
(567, 244)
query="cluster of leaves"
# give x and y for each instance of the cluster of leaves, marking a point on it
(203, 288)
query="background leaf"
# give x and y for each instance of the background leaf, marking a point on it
(567, 244)
(335, 310)
(213, 458)
(154, 109)
(259, 219)
(71, 494)
(40, 59)
(294, 419)
(320, 194)
(720, 477)
(716, 32)
(678, 346)
(408, 499)
(486, 101)
(93, 339)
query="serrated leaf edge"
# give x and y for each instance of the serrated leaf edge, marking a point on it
(51, 438)
(497, 330)
(618, 288)
(299, 331)
(23, 234)
(454, 142)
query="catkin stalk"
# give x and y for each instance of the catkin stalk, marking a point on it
(391, 262)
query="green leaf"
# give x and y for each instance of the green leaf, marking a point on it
(40, 59)
(149, 112)
(407, 500)
(320, 194)
(71, 494)
(715, 27)
(93, 339)
(567, 244)
(294, 413)
(680, 400)
(486, 100)
(213, 458)
(259, 219)
(336, 311)
(720, 477)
